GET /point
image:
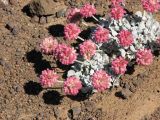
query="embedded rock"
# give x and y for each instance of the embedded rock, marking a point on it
(74, 112)
(45, 7)
(13, 2)
(124, 94)
(3, 3)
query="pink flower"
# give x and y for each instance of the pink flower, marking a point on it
(125, 38)
(71, 31)
(87, 49)
(116, 2)
(48, 45)
(117, 12)
(100, 80)
(101, 35)
(88, 10)
(48, 78)
(66, 55)
(119, 65)
(73, 15)
(144, 57)
(72, 85)
(151, 5)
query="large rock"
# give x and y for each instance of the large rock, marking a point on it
(45, 7)
(3, 3)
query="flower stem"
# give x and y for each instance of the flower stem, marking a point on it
(99, 50)
(97, 46)
(79, 62)
(95, 18)
(84, 23)
(80, 38)
(119, 76)
(60, 81)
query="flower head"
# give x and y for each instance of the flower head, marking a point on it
(66, 55)
(101, 35)
(119, 65)
(125, 38)
(144, 57)
(87, 49)
(116, 2)
(48, 45)
(73, 15)
(48, 78)
(88, 10)
(72, 85)
(151, 5)
(117, 12)
(100, 80)
(71, 31)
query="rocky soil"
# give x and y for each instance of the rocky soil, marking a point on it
(22, 97)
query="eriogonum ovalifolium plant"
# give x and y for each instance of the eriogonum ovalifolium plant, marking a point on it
(98, 61)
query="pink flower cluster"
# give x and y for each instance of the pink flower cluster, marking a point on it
(73, 15)
(125, 38)
(101, 35)
(48, 78)
(117, 12)
(72, 85)
(116, 2)
(87, 49)
(151, 5)
(144, 57)
(66, 55)
(71, 31)
(48, 45)
(88, 10)
(119, 65)
(100, 80)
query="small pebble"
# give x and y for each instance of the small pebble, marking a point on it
(2, 62)
(35, 19)
(60, 13)
(75, 112)
(13, 2)
(9, 25)
(124, 94)
(15, 31)
(43, 20)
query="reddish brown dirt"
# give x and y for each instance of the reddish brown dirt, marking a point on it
(22, 98)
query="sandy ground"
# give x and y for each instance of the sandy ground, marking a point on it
(22, 98)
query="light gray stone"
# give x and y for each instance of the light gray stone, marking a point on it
(138, 13)
(71, 73)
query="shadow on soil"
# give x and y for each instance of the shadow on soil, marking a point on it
(85, 34)
(32, 88)
(52, 97)
(80, 97)
(120, 95)
(83, 95)
(26, 10)
(36, 58)
(56, 30)
(130, 70)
